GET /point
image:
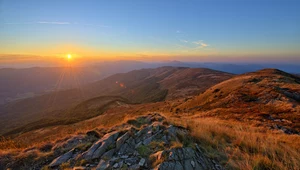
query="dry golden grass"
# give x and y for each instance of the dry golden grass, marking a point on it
(111, 118)
(236, 145)
(241, 146)
(176, 144)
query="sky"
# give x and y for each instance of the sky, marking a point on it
(150, 30)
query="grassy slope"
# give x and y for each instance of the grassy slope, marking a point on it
(139, 86)
(266, 97)
(237, 145)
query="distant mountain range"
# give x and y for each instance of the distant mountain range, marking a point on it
(28, 82)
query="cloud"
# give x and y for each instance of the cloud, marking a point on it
(184, 41)
(54, 23)
(200, 44)
(178, 31)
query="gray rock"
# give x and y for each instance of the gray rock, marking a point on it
(139, 144)
(187, 164)
(121, 163)
(151, 138)
(193, 164)
(123, 149)
(61, 159)
(107, 140)
(116, 165)
(103, 165)
(143, 131)
(131, 161)
(142, 162)
(124, 156)
(109, 154)
(178, 166)
(134, 167)
(122, 139)
(70, 143)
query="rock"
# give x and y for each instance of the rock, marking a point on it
(187, 164)
(134, 167)
(121, 140)
(139, 144)
(124, 156)
(107, 140)
(142, 162)
(109, 154)
(149, 140)
(102, 165)
(98, 149)
(121, 163)
(193, 164)
(116, 165)
(70, 143)
(143, 131)
(178, 166)
(61, 159)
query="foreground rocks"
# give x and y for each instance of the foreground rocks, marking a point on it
(145, 143)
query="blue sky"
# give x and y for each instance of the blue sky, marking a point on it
(200, 30)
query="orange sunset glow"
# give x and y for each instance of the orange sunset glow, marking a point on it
(149, 84)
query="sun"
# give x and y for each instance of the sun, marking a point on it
(69, 56)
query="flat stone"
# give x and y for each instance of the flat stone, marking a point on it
(124, 156)
(116, 165)
(142, 162)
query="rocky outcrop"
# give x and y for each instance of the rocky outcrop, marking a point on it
(184, 159)
(146, 146)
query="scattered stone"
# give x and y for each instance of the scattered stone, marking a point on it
(193, 164)
(116, 165)
(124, 156)
(142, 162)
(122, 152)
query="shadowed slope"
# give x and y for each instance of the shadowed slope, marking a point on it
(139, 86)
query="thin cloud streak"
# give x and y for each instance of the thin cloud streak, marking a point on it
(200, 44)
(54, 23)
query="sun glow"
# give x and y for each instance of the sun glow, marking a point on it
(69, 56)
